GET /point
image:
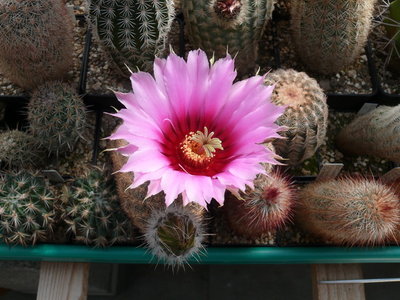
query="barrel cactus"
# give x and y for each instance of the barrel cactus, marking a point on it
(36, 41)
(330, 34)
(306, 114)
(219, 26)
(376, 133)
(26, 209)
(134, 31)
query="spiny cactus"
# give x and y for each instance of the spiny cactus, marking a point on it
(376, 133)
(306, 115)
(219, 26)
(26, 209)
(19, 149)
(330, 34)
(265, 208)
(350, 211)
(36, 41)
(92, 212)
(132, 31)
(57, 116)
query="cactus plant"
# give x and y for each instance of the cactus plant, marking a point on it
(376, 133)
(265, 208)
(132, 31)
(306, 115)
(57, 116)
(19, 149)
(350, 211)
(92, 212)
(330, 34)
(36, 41)
(26, 209)
(219, 26)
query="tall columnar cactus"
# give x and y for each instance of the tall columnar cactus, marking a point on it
(132, 31)
(350, 211)
(19, 149)
(92, 211)
(57, 116)
(265, 208)
(330, 34)
(306, 115)
(219, 26)
(376, 133)
(26, 209)
(36, 41)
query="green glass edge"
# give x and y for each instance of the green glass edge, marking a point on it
(214, 255)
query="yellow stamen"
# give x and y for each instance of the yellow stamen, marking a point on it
(206, 141)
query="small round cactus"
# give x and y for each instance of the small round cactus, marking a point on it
(306, 115)
(349, 211)
(57, 116)
(92, 212)
(26, 209)
(19, 149)
(265, 208)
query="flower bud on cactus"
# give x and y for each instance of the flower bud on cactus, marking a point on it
(306, 114)
(57, 116)
(19, 149)
(92, 212)
(265, 208)
(26, 209)
(330, 34)
(376, 133)
(350, 211)
(36, 41)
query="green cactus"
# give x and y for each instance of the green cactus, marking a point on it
(330, 34)
(92, 211)
(36, 41)
(218, 26)
(376, 133)
(19, 149)
(132, 31)
(350, 211)
(306, 115)
(26, 209)
(57, 116)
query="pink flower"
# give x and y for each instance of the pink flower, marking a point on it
(192, 131)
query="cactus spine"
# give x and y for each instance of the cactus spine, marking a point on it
(350, 211)
(92, 212)
(265, 208)
(132, 31)
(306, 115)
(26, 209)
(57, 116)
(36, 41)
(330, 34)
(376, 133)
(218, 26)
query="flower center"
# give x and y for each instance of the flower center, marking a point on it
(197, 149)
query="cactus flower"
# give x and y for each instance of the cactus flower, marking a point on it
(192, 131)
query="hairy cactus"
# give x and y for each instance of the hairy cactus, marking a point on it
(57, 116)
(330, 34)
(376, 133)
(36, 41)
(132, 31)
(306, 115)
(219, 26)
(92, 212)
(350, 211)
(19, 149)
(26, 209)
(264, 208)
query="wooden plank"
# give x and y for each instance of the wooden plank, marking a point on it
(349, 291)
(329, 171)
(63, 281)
